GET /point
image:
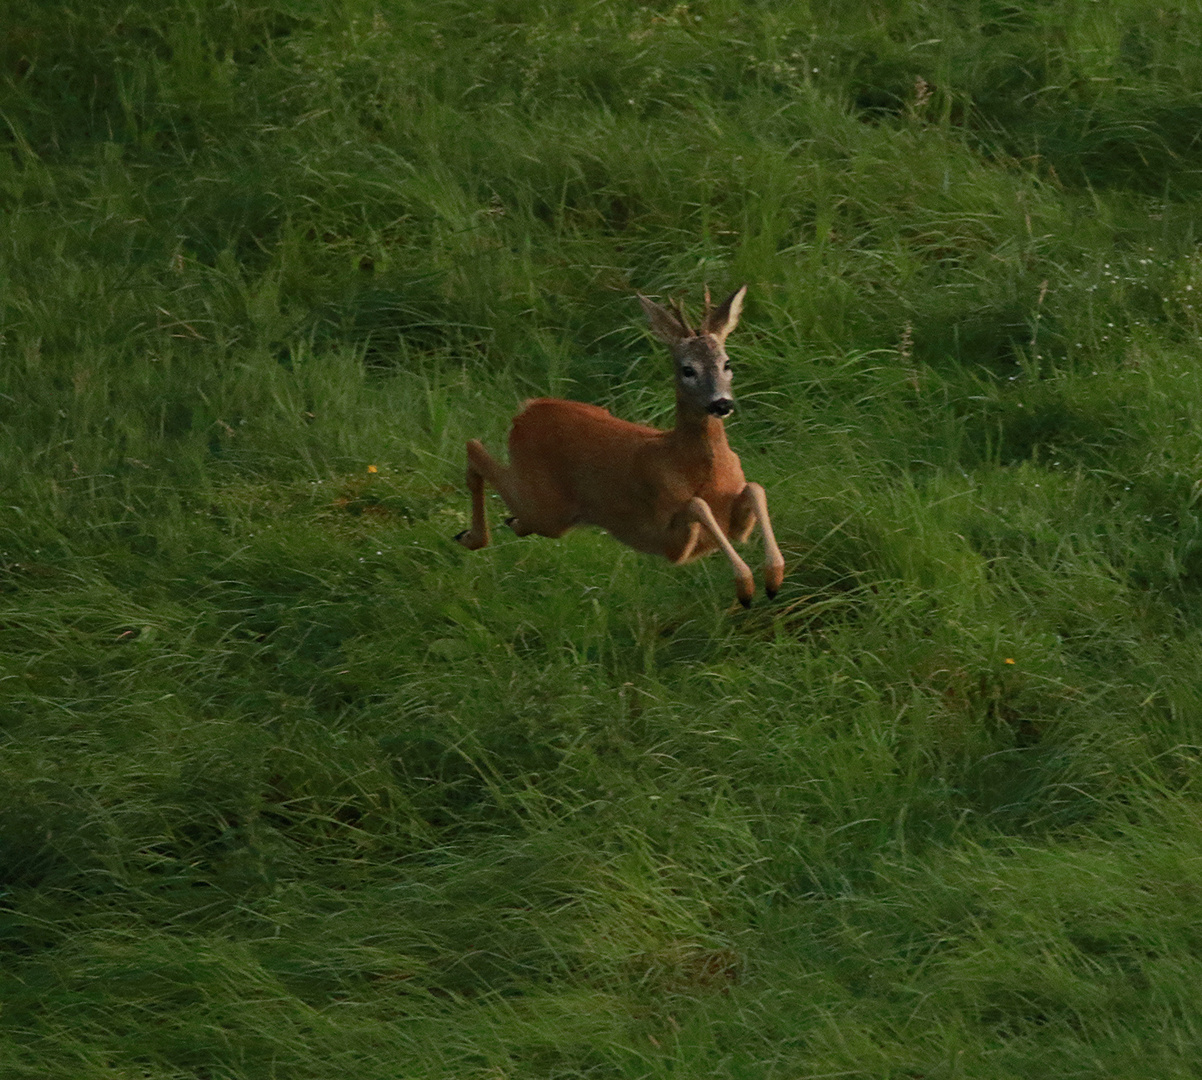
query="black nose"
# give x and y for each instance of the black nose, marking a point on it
(721, 407)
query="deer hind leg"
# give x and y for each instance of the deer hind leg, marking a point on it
(483, 468)
(698, 512)
(480, 467)
(751, 507)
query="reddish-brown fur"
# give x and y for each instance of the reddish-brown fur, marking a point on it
(678, 493)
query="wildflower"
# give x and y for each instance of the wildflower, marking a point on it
(1008, 660)
(372, 469)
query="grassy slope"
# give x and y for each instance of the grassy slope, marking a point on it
(292, 786)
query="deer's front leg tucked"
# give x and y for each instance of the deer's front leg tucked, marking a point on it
(753, 503)
(698, 512)
(692, 535)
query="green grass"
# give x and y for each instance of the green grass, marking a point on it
(293, 786)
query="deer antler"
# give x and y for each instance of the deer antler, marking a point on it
(676, 306)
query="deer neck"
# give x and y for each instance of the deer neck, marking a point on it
(697, 432)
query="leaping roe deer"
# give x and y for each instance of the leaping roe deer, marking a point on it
(678, 493)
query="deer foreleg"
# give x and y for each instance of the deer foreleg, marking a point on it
(692, 535)
(699, 512)
(742, 518)
(754, 503)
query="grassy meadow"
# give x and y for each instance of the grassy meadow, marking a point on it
(294, 787)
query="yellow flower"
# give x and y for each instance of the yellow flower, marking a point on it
(1008, 660)
(372, 468)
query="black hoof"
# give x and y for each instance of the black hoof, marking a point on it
(460, 535)
(745, 601)
(770, 593)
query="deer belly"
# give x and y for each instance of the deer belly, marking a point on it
(627, 518)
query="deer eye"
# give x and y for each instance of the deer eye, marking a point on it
(688, 371)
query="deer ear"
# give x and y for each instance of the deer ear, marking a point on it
(664, 324)
(725, 317)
